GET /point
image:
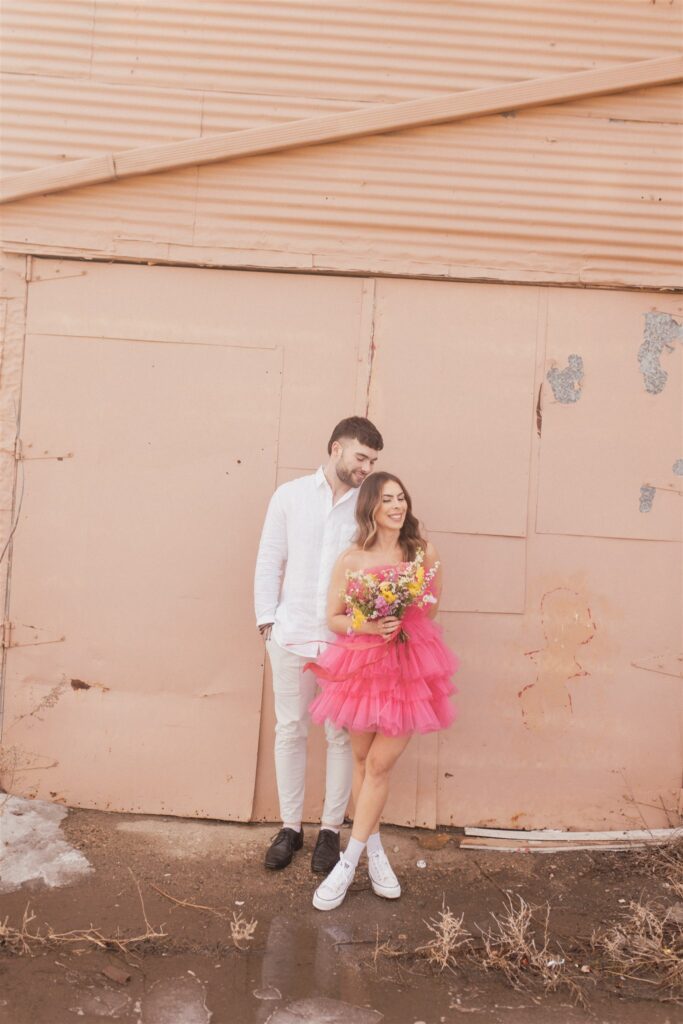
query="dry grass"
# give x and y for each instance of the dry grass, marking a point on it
(667, 859)
(451, 942)
(27, 940)
(390, 949)
(519, 948)
(241, 930)
(646, 945)
(515, 945)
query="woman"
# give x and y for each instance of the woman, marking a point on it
(389, 679)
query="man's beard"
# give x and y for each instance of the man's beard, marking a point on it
(345, 475)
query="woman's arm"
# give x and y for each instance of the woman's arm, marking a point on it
(431, 558)
(337, 619)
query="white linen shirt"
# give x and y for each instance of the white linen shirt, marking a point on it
(303, 535)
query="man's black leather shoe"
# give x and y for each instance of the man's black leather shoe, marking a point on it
(283, 848)
(326, 853)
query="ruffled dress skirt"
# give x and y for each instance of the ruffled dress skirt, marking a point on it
(392, 687)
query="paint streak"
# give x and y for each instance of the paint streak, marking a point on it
(567, 625)
(567, 383)
(647, 496)
(661, 330)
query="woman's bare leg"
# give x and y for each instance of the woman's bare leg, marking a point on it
(380, 758)
(360, 745)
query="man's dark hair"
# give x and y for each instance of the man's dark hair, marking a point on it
(357, 428)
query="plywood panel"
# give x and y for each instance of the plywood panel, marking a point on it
(142, 463)
(320, 323)
(612, 416)
(482, 574)
(556, 725)
(453, 390)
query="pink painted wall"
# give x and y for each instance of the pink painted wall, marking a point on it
(165, 375)
(159, 408)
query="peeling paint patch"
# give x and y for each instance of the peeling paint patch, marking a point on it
(80, 684)
(568, 624)
(661, 330)
(647, 496)
(566, 384)
(678, 467)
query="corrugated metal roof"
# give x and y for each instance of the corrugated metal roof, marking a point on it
(371, 51)
(584, 191)
(83, 79)
(48, 119)
(548, 193)
(542, 184)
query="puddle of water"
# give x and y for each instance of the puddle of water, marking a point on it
(267, 993)
(102, 1004)
(321, 1010)
(176, 1001)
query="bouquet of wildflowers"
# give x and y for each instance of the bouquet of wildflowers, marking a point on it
(371, 596)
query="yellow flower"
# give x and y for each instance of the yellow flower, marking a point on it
(420, 574)
(414, 589)
(357, 619)
(387, 594)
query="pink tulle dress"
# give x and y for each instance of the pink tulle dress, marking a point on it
(392, 687)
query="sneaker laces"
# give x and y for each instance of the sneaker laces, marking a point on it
(381, 868)
(340, 874)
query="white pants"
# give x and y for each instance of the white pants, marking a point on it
(294, 690)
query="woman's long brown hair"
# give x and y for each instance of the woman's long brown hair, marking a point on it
(369, 498)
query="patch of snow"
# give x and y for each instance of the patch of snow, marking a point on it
(32, 846)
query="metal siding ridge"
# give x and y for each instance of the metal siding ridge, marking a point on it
(336, 127)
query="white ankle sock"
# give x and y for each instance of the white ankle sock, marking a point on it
(329, 828)
(374, 843)
(353, 851)
(295, 826)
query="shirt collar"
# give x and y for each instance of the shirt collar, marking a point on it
(321, 480)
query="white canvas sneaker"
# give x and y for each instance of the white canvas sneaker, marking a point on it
(382, 878)
(331, 892)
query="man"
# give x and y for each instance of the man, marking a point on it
(309, 522)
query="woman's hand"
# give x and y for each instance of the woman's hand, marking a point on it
(385, 627)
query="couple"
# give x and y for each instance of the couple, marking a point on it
(381, 681)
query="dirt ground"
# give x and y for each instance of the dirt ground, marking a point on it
(356, 965)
